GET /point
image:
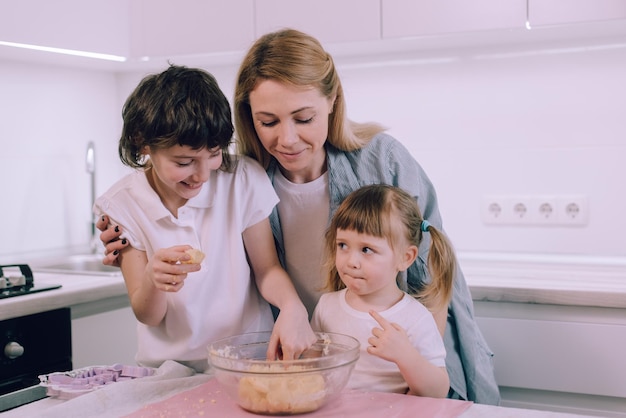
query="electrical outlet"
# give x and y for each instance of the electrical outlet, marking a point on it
(536, 210)
(543, 210)
(491, 210)
(572, 210)
(520, 209)
(505, 210)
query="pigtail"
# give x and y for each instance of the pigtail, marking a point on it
(442, 267)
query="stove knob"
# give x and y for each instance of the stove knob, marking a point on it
(13, 350)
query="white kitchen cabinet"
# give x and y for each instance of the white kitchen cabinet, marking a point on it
(162, 28)
(103, 333)
(553, 12)
(212, 32)
(330, 21)
(560, 352)
(101, 26)
(408, 18)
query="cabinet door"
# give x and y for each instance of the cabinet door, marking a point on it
(551, 12)
(575, 357)
(163, 28)
(328, 20)
(404, 18)
(93, 26)
(104, 339)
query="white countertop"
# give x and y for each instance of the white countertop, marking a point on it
(575, 281)
(75, 290)
(567, 280)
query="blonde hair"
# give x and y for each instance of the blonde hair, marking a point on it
(389, 212)
(295, 58)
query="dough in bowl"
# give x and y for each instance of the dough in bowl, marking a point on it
(281, 393)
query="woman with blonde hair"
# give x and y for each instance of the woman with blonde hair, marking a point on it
(290, 115)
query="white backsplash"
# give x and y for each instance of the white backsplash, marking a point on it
(541, 121)
(47, 117)
(536, 121)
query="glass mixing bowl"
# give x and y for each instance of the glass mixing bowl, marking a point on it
(282, 387)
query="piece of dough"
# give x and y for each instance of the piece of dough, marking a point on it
(196, 256)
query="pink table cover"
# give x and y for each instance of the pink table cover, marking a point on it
(209, 400)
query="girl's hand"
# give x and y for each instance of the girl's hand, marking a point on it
(390, 341)
(166, 272)
(110, 237)
(292, 335)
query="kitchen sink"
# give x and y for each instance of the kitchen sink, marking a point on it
(85, 264)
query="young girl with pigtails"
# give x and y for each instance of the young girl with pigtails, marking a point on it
(373, 238)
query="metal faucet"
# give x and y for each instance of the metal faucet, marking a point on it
(90, 162)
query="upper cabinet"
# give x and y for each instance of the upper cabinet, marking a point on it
(555, 12)
(330, 21)
(149, 32)
(93, 26)
(410, 18)
(162, 28)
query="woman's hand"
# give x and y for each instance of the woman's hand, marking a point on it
(165, 271)
(292, 334)
(110, 237)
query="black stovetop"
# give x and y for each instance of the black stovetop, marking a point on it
(18, 280)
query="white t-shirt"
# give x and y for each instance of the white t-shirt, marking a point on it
(372, 373)
(221, 299)
(304, 210)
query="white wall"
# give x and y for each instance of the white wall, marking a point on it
(47, 117)
(547, 121)
(542, 121)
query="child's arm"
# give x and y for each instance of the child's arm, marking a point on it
(148, 281)
(440, 313)
(391, 343)
(292, 330)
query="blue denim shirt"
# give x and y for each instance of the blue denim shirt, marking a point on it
(469, 360)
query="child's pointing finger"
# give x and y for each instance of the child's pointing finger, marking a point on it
(381, 321)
